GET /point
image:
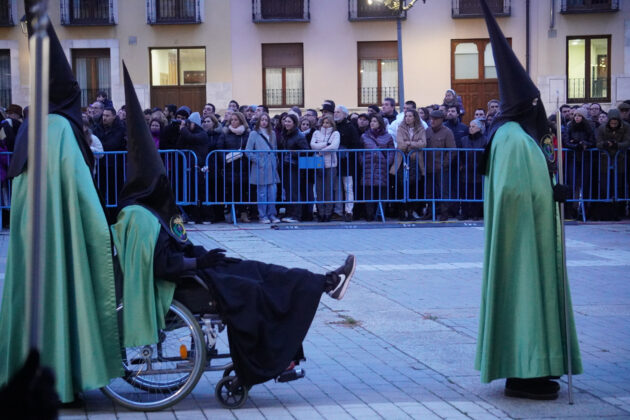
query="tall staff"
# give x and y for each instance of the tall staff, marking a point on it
(37, 151)
(565, 279)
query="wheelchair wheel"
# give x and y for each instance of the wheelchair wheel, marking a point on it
(230, 395)
(158, 376)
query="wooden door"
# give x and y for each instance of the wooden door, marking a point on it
(191, 96)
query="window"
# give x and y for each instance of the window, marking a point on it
(472, 8)
(589, 6)
(8, 9)
(588, 69)
(370, 10)
(280, 10)
(88, 12)
(174, 11)
(178, 66)
(92, 70)
(5, 78)
(378, 71)
(283, 75)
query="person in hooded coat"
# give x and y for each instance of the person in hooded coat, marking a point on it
(267, 308)
(522, 329)
(79, 324)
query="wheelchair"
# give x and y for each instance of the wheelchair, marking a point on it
(159, 375)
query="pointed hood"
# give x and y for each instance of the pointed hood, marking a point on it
(520, 98)
(64, 96)
(147, 184)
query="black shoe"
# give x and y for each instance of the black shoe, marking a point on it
(343, 275)
(347, 217)
(427, 216)
(335, 217)
(291, 375)
(533, 389)
(443, 218)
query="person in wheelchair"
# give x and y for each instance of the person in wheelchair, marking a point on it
(267, 308)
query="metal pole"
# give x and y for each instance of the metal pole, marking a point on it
(36, 193)
(401, 80)
(565, 280)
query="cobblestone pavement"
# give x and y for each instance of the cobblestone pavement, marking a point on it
(402, 342)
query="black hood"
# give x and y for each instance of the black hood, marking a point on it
(520, 98)
(64, 96)
(147, 184)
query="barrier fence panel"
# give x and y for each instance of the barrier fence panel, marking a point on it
(334, 181)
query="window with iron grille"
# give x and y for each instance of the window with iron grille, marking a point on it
(283, 75)
(92, 68)
(472, 8)
(280, 10)
(371, 10)
(588, 68)
(378, 71)
(589, 6)
(5, 78)
(174, 11)
(88, 12)
(6, 13)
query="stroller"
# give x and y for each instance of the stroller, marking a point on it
(158, 376)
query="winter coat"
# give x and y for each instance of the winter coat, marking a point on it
(579, 134)
(441, 139)
(470, 161)
(459, 131)
(412, 145)
(349, 138)
(376, 164)
(196, 141)
(620, 139)
(264, 166)
(326, 139)
(292, 141)
(237, 169)
(114, 137)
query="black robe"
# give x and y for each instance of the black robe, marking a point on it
(267, 308)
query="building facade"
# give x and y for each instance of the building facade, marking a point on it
(300, 52)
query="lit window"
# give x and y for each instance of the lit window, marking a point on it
(378, 72)
(588, 69)
(283, 75)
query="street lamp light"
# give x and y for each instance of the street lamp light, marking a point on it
(401, 6)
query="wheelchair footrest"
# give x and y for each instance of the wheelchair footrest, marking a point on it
(291, 375)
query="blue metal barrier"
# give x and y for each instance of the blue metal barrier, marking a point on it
(437, 177)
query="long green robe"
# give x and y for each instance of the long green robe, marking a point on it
(145, 301)
(522, 322)
(78, 304)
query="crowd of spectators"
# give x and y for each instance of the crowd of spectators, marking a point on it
(254, 171)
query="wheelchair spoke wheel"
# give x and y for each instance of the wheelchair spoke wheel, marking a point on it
(230, 395)
(159, 375)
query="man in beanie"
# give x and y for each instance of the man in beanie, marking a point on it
(10, 126)
(78, 304)
(522, 326)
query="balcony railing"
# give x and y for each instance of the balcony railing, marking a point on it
(577, 90)
(472, 8)
(88, 12)
(589, 6)
(375, 95)
(281, 11)
(293, 97)
(363, 10)
(6, 13)
(174, 11)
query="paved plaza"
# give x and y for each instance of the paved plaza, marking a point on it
(402, 342)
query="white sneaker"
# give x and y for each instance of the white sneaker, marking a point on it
(344, 274)
(274, 219)
(265, 220)
(289, 220)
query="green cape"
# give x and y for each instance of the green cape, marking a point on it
(145, 301)
(78, 304)
(522, 323)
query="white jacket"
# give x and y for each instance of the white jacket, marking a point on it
(326, 139)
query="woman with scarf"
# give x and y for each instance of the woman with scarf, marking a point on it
(235, 179)
(376, 164)
(326, 138)
(411, 139)
(291, 140)
(264, 168)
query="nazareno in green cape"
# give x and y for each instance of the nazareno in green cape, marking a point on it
(78, 304)
(522, 323)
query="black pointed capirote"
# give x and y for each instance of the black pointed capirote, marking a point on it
(64, 96)
(146, 184)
